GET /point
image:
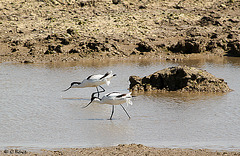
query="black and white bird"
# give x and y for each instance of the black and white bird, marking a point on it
(113, 98)
(94, 81)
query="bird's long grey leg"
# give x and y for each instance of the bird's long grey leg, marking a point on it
(98, 91)
(103, 90)
(112, 112)
(125, 111)
(95, 93)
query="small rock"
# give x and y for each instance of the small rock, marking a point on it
(234, 48)
(14, 50)
(70, 31)
(20, 32)
(72, 51)
(133, 53)
(65, 41)
(11, 151)
(58, 49)
(27, 61)
(116, 1)
(207, 20)
(142, 7)
(145, 47)
(6, 151)
(188, 46)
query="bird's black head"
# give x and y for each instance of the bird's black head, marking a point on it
(72, 84)
(92, 99)
(75, 83)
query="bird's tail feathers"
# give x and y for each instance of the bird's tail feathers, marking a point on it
(129, 98)
(128, 101)
(109, 75)
(107, 82)
(129, 95)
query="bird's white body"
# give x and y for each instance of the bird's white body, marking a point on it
(115, 98)
(95, 80)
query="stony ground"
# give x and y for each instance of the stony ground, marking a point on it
(69, 30)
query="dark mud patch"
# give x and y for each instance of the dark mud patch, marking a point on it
(180, 78)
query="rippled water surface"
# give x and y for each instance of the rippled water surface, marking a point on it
(34, 112)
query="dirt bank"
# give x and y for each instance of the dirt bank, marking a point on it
(132, 149)
(64, 30)
(180, 78)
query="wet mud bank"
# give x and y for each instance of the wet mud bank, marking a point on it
(57, 30)
(180, 78)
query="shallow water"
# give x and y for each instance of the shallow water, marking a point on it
(34, 112)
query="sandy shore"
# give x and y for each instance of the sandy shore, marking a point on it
(122, 149)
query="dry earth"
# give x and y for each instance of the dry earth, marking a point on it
(70, 30)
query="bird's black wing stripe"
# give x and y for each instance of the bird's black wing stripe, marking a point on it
(111, 93)
(121, 95)
(105, 75)
(89, 77)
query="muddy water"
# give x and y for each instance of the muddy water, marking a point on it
(34, 112)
